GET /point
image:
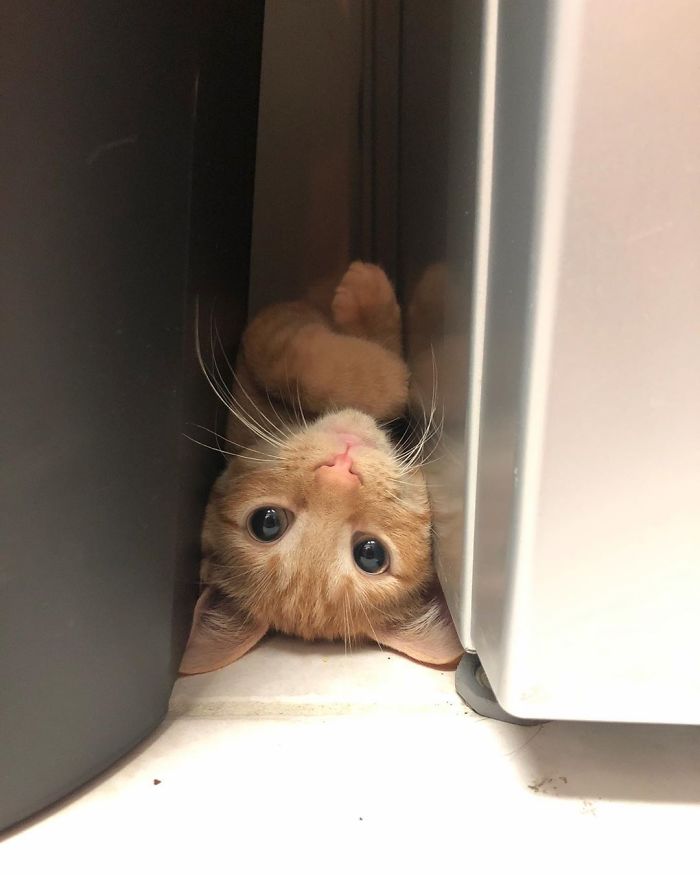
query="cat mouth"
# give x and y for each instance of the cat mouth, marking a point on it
(352, 429)
(352, 440)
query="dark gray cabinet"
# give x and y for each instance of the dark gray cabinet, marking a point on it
(121, 199)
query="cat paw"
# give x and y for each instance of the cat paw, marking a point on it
(364, 303)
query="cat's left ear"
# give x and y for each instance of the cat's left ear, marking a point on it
(428, 637)
(221, 633)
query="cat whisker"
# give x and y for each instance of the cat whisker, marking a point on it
(215, 363)
(290, 396)
(219, 388)
(236, 409)
(226, 452)
(243, 389)
(430, 430)
(346, 624)
(229, 441)
(343, 630)
(225, 396)
(285, 425)
(384, 614)
(220, 391)
(360, 601)
(301, 409)
(392, 479)
(418, 450)
(240, 415)
(431, 459)
(418, 458)
(248, 419)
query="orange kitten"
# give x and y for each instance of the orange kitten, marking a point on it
(319, 528)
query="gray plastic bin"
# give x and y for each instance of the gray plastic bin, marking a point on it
(100, 495)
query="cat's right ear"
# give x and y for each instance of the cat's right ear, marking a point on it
(429, 637)
(221, 633)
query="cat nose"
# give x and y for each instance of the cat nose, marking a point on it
(338, 472)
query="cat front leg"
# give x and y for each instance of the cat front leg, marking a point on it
(365, 305)
(291, 351)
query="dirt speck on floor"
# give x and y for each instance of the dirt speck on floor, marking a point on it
(549, 785)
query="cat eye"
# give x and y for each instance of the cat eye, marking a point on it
(370, 556)
(268, 523)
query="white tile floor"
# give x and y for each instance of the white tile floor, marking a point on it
(304, 758)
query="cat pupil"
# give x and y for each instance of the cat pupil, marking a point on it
(370, 556)
(267, 523)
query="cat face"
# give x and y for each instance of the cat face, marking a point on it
(322, 533)
(324, 536)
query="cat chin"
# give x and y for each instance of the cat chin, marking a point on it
(355, 427)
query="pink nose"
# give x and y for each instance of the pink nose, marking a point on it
(338, 472)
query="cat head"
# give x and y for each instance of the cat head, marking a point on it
(323, 534)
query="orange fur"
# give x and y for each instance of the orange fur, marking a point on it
(341, 365)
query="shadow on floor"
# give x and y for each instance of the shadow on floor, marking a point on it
(599, 761)
(90, 785)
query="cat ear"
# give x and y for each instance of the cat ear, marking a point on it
(429, 637)
(221, 633)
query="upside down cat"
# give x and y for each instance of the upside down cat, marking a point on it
(319, 527)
